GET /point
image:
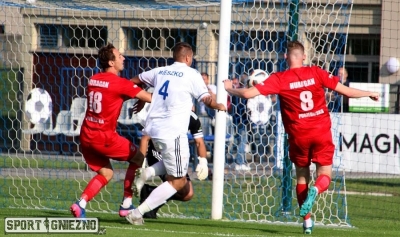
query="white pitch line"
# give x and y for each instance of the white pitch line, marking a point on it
(181, 232)
(370, 194)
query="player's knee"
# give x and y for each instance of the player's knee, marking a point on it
(106, 173)
(188, 196)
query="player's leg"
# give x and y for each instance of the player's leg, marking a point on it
(299, 155)
(123, 150)
(101, 165)
(156, 165)
(303, 179)
(175, 155)
(322, 156)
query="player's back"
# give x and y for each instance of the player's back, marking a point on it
(302, 99)
(175, 86)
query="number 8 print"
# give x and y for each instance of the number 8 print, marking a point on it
(307, 103)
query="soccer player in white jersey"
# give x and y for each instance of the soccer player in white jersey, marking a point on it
(175, 86)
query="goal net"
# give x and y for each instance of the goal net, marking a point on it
(52, 45)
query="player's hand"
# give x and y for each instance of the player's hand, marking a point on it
(227, 84)
(374, 96)
(202, 168)
(221, 107)
(138, 106)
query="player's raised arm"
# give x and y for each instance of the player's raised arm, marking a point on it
(137, 81)
(212, 103)
(355, 93)
(240, 92)
(143, 97)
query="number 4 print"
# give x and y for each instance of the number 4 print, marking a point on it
(163, 90)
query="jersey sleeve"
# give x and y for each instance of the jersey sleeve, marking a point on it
(199, 87)
(148, 77)
(129, 89)
(271, 85)
(327, 80)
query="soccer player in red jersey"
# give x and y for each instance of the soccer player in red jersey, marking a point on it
(99, 140)
(306, 120)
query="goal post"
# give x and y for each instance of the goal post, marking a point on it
(53, 46)
(220, 133)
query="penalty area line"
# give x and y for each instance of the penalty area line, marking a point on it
(180, 232)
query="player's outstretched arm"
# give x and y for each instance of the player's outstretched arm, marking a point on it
(210, 102)
(143, 97)
(137, 81)
(356, 93)
(240, 92)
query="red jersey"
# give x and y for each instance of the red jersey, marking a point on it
(106, 93)
(302, 98)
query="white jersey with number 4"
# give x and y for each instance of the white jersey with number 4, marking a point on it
(175, 86)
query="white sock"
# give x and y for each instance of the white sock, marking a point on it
(159, 168)
(158, 197)
(307, 223)
(82, 203)
(127, 202)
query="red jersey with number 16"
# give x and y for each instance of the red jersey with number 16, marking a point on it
(106, 93)
(302, 99)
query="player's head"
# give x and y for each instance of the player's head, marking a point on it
(295, 54)
(183, 53)
(110, 58)
(205, 77)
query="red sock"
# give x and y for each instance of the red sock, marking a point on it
(322, 183)
(129, 177)
(301, 191)
(94, 187)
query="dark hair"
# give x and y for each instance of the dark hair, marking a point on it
(204, 74)
(292, 45)
(182, 49)
(105, 55)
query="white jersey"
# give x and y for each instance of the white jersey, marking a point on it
(175, 86)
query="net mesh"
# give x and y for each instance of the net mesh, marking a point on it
(53, 45)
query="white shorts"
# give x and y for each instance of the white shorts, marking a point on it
(175, 154)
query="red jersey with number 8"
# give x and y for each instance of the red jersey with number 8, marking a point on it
(106, 93)
(302, 98)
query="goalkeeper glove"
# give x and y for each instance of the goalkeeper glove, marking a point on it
(202, 168)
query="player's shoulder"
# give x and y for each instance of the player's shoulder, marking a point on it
(193, 71)
(107, 76)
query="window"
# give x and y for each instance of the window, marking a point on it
(328, 43)
(247, 65)
(2, 29)
(48, 36)
(156, 39)
(358, 44)
(143, 39)
(84, 36)
(173, 36)
(258, 40)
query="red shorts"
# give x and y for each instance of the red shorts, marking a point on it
(97, 154)
(316, 149)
